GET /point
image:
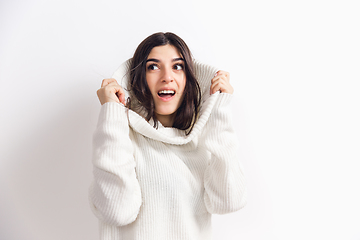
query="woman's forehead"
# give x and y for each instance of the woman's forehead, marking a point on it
(164, 53)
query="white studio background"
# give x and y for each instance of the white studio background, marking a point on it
(295, 67)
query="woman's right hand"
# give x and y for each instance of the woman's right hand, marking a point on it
(111, 91)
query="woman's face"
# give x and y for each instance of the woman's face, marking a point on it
(166, 79)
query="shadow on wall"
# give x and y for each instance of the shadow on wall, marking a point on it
(47, 184)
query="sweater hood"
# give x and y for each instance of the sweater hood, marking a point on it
(204, 73)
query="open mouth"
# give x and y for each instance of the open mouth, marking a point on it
(166, 93)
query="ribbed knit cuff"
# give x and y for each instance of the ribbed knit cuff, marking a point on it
(224, 99)
(112, 111)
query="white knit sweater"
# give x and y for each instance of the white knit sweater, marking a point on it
(160, 184)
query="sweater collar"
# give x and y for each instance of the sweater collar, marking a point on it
(204, 73)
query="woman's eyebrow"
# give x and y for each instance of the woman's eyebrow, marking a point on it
(177, 59)
(157, 60)
(153, 60)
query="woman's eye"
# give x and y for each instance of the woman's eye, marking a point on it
(178, 66)
(153, 67)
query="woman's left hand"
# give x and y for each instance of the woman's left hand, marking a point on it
(221, 82)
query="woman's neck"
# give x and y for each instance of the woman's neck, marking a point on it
(166, 120)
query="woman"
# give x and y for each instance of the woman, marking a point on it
(165, 159)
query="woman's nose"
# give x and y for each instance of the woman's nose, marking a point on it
(167, 75)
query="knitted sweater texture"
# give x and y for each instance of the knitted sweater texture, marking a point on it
(161, 184)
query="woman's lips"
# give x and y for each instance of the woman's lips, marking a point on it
(166, 94)
(166, 98)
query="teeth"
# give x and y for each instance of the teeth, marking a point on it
(167, 92)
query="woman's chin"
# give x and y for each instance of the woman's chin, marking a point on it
(164, 112)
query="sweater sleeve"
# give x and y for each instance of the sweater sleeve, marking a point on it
(115, 196)
(224, 180)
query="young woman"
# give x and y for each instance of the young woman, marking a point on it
(164, 149)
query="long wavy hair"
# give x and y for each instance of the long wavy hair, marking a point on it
(187, 113)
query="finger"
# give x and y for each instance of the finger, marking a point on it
(104, 96)
(107, 81)
(223, 74)
(218, 80)
(112, 85)
(220, 77)
(215, 87)
(121, 96)
(215, 79)
(119, 92)
(114, 98)
(223, 87)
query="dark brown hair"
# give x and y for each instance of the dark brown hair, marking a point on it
(188, 112)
